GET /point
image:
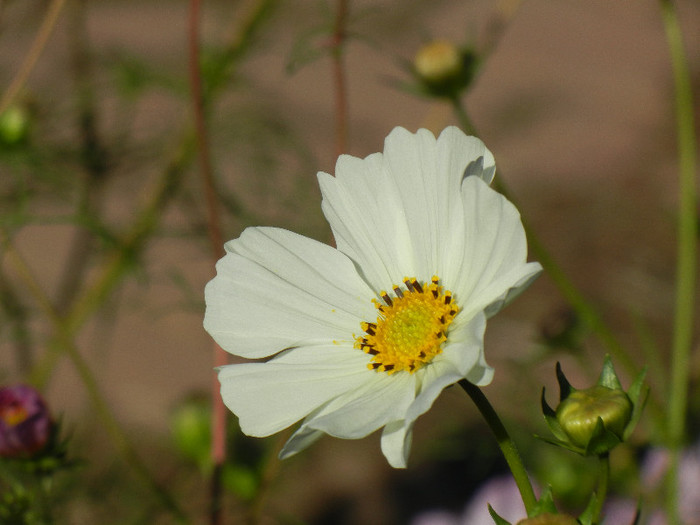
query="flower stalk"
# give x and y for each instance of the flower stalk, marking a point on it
(505, 443)
(687, 256)
(602, 491)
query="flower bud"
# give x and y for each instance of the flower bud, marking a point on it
(578, 414)
(25, 423)
(443, 70)
(14, 125)
(595, 420)
(191, 428)
(438, 61)
(549, 519)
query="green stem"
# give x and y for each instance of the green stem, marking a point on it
(506, 444)
(462, 117)
(64, 340)
(687, 255)
(603, 480)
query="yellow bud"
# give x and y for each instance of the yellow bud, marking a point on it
(438, 61)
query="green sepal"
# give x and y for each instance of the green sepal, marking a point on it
(587, 516)
(565, 387)
(550, 417)
(602, 440)
(496, 518)
(638, 394)
(637, 514)
(545, 505)
(608, 377)
(562, 444)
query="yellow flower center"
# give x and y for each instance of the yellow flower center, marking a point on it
(410, 328)
(13, 415)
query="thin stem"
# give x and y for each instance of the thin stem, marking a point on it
(603, 481)
(119, 262)
(687, 255)
(93, 158)
(341, 101)
(218, 435)
(462, 117)
(506, 444)
(42, 37)
(65, 340)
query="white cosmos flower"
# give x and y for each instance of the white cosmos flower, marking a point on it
(367, 335)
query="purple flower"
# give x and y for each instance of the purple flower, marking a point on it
(25, 423)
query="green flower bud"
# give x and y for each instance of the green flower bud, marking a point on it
(14, 125)
(549, 519)
(190, 424)
(578, 414)
(597, 419)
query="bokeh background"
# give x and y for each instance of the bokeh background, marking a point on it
(101, 196)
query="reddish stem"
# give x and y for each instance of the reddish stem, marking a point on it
(341, 101)
(218, 443)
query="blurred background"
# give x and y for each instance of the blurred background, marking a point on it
(101, 196)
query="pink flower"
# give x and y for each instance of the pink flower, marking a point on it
(25, 423)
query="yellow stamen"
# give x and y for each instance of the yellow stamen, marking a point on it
(13, 415)
(411, 326)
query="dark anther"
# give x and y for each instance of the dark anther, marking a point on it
(388, 367)
(448, 299)
(417, 286)
(375, 365)
(398, 291)
(409, 285)
(387, 299)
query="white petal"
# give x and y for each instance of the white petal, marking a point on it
(301, 439)
(396, 442)
(396, 213)
(363, 209)
(494, 266)
(268, 397)
(465, 349)
(457, 151)
(365, 409)
(275, 289)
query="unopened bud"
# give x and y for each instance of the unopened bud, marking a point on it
(578, 414)
(438, 61)
(14, 125)
(25, 423)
